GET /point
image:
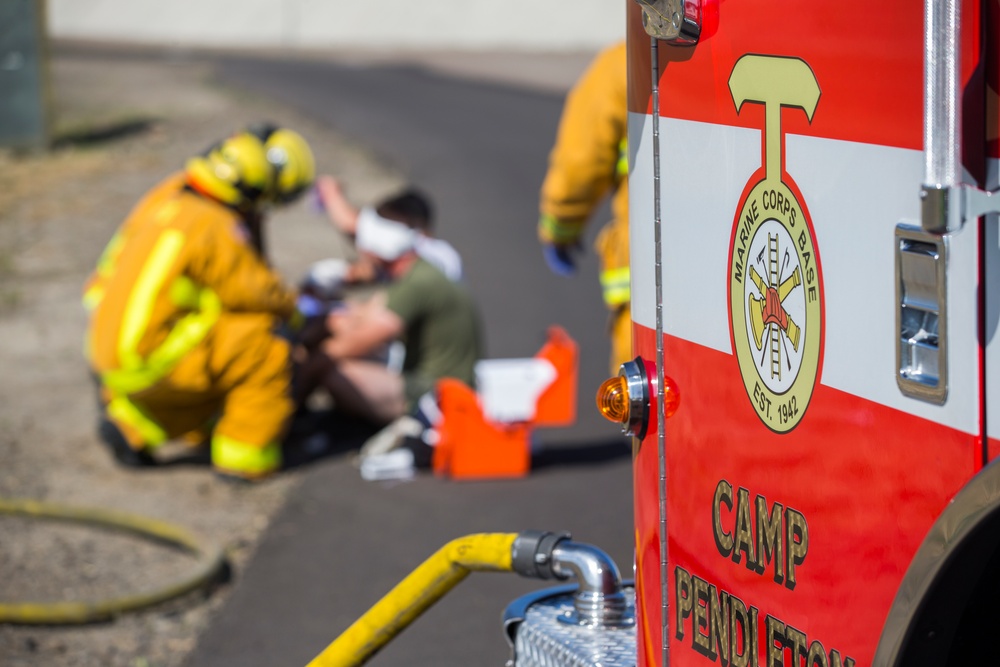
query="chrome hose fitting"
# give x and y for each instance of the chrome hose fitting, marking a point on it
(599, 600)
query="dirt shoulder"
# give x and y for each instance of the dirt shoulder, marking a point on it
(124, 123)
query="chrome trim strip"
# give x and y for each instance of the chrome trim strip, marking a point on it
(637, 384)
(660, 412)
(946, 201)
(942, 111)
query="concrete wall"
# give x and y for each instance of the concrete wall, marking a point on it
(550, 25)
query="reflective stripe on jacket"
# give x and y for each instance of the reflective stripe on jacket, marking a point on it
(230, 455)
(176, 263)
(615, 286)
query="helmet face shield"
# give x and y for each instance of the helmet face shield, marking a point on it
(293, 164)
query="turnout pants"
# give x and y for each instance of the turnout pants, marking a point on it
(235, 384)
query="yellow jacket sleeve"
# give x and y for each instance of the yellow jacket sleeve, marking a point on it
(584, 163)
(223, 259)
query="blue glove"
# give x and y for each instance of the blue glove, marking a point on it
(316, 204)
(559, 258)
(310, 306)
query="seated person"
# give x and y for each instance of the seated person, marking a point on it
(435, 318)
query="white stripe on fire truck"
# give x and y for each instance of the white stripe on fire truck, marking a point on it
(862, 188)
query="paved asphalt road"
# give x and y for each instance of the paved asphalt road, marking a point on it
(341, 543)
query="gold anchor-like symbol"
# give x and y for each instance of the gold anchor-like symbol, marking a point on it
(774, 82)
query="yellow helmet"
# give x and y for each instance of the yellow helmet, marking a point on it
(234, 171)
(292, 160)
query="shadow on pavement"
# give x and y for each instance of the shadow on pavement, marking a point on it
(326, 434)
(314, 436)
(100, 134)
(583, 454)
(323, 434)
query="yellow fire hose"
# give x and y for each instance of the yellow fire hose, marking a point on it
(486, 552)
(210, 563)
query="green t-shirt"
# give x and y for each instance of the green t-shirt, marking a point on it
(441, 328)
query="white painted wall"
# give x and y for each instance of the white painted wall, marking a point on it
(550, 25)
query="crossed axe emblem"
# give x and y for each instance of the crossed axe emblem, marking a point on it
(767, 311)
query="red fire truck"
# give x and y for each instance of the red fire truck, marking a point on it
(815, 266)
(815, 301)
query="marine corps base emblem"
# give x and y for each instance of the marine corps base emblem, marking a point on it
(775, 287)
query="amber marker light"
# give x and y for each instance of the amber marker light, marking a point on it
(671, 397)
(613, 400)
(625, 399)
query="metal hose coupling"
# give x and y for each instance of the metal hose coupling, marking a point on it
(599, 600)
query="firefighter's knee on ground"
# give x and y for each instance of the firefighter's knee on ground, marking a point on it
(236, 460)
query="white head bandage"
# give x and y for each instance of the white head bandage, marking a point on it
(384, 238)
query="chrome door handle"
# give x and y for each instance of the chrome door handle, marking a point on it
(921, 314)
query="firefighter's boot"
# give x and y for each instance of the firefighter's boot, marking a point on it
(124, 454)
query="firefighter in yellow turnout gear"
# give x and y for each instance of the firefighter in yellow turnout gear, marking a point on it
(183, 310)
(589, 161)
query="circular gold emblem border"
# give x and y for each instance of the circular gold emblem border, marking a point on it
(775, 201)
